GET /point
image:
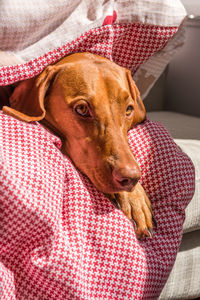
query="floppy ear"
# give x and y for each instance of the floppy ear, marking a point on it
(27, 99)
(139, 109)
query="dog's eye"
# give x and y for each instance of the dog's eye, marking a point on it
(82, 110)
(129, 110)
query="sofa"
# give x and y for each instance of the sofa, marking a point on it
(174, 101)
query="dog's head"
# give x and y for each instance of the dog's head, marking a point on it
(91, 103)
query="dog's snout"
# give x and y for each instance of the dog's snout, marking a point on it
(127, 177)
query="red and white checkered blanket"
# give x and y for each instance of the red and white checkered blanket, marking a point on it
(59, 237)
(62, 239)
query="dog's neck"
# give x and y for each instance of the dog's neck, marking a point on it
(52, 128)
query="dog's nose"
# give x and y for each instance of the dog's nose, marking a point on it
(126, 177)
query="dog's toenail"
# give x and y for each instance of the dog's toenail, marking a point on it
(150, 233)
(154, 221)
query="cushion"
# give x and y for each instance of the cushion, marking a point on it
(192, 149)
(63, 239)
(180, 126)
(185, 130)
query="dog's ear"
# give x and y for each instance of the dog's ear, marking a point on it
(139, 109)
(27, 99)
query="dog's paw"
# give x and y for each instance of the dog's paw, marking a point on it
(137, 207)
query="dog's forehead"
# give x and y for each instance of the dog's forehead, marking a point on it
(93, 77)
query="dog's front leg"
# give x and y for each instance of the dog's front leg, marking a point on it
(137, 207)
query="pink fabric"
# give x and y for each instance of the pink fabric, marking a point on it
(62, 239)
(129, 45)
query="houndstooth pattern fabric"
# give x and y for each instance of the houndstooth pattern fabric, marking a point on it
(62, 239)
(129, 45)
(36, 33)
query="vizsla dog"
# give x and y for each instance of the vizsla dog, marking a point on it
(91, 103)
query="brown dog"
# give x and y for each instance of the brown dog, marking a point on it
(91, 103)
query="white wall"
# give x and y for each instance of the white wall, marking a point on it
(192, 6)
